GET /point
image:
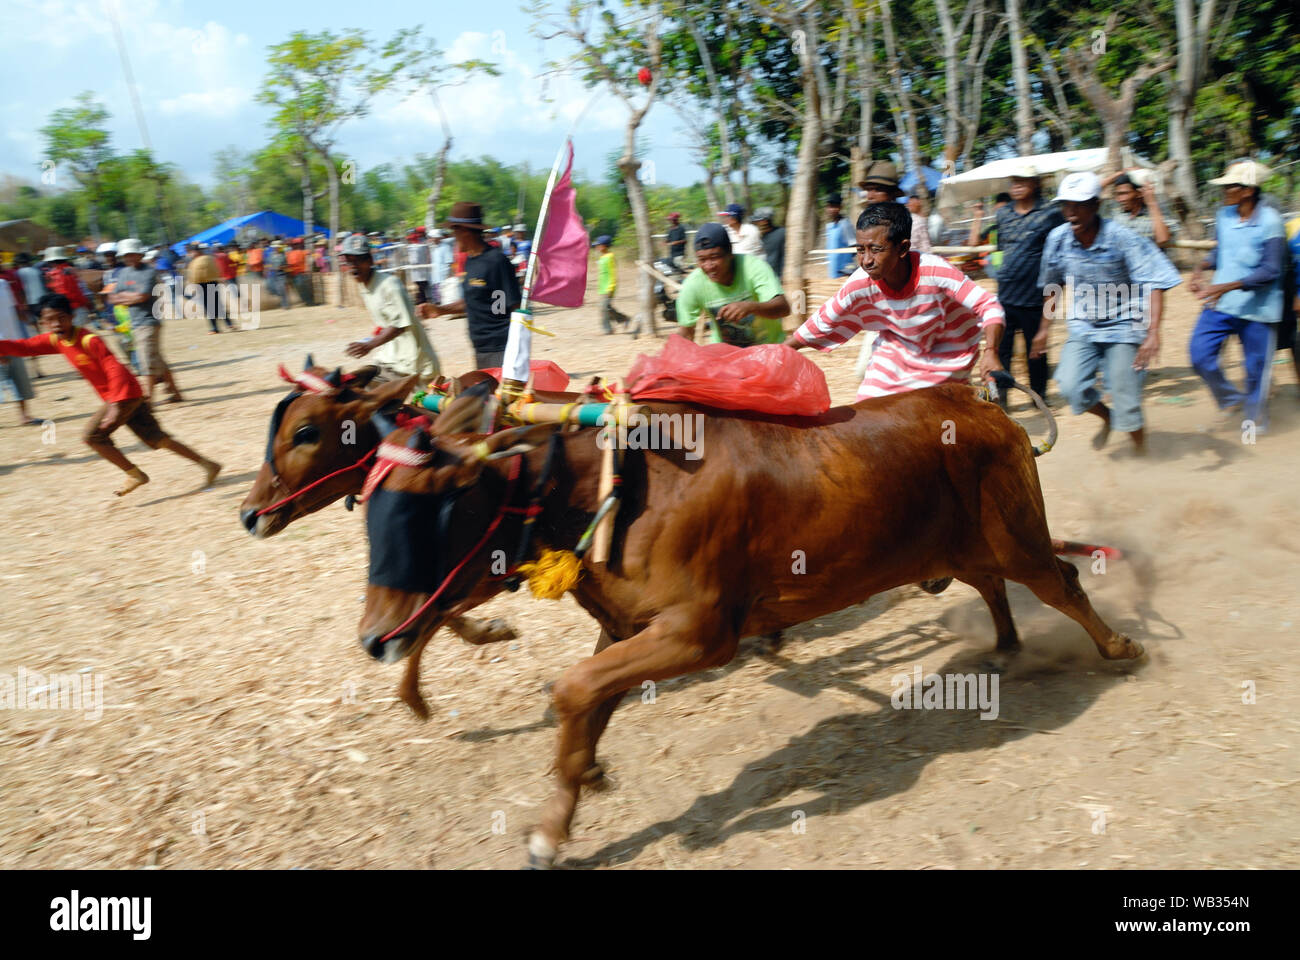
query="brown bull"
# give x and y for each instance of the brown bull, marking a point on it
(923, 485)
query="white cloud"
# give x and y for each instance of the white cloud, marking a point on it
(219, 104)
(520, 99)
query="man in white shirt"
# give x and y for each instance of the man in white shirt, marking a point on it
(418, 258)
(399, 346)
(442, 254)
(745, 237)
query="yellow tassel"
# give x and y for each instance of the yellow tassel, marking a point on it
(555, 573)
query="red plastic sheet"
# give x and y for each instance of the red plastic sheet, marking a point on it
(547, 375)
(768, 378)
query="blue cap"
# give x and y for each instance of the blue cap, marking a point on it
(712, 235)
(604, 239)
(733, 210)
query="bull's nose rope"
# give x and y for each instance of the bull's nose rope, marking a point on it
(329, 476)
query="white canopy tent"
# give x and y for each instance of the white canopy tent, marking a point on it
(992, 178)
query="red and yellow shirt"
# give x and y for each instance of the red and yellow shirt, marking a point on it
(88, 355)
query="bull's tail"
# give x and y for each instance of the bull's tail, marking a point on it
(1000, 383)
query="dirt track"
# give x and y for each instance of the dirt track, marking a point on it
(244, 726)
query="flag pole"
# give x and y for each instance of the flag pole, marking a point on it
(518, 356)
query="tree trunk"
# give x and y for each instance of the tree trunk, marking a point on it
(860, 155)
(952, 84)
(720, 115)
(435, 193)
(904, 117)
(1020, 70)
(630, 166)
(710, 191)
(308, 199)
(1193, 46)
(799, 225)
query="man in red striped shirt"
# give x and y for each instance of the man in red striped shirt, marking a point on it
(124, 401)
(929, 316)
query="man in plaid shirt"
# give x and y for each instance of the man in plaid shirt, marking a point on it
(1115, 300)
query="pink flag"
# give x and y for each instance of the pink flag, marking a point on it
(562, 254)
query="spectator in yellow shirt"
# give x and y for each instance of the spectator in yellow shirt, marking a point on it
(607, 286)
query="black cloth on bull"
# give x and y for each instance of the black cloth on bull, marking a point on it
(407, 533)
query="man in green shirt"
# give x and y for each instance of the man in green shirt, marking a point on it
(741, 293)
(607, 284)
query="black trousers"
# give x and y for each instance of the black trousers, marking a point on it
(1025, 320)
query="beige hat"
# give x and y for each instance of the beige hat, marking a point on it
(1248, 173)
(129, 245)
(1026, 170)
(54, 253)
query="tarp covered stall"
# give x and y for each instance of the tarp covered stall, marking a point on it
(994, 177)
(267, 222)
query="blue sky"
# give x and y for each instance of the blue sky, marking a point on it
(198, 66)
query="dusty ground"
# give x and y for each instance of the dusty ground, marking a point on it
(244, 727)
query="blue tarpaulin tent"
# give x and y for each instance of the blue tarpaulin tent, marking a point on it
(908, 183)
(266, 221)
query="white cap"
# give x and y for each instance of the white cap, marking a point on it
(1078, 187)
(108, 247)
(354, 246)
(1248, 173)
(520, 227)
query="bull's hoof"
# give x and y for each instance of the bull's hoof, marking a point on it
(772, 642)
(1123, 648)
(498, 631)
(415, 701)
(541, 852)
(594, 779)
(937, 586)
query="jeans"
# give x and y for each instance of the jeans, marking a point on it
(1258, 342)
(1026, 320)
(488, 359)
(1076, 378)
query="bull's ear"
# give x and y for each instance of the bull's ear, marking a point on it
(359, 379)
(388, 393)
(462, 414)
(513, 442)
(309, 364)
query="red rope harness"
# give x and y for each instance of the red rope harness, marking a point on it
(298, 493)
(505, 508)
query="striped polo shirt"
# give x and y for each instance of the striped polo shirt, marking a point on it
(928, 332)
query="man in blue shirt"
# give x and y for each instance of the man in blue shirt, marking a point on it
(1246, 296)
(1116, 281)
(839, 234)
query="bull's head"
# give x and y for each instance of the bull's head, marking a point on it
(429, 528)
(326, 424)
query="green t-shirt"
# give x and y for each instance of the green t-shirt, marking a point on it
(608, 278)
(753, 280)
